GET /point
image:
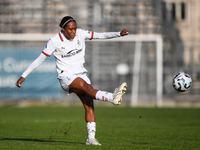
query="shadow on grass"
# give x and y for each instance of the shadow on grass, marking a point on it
(40, 140)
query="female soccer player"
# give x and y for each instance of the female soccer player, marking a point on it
(68, 47)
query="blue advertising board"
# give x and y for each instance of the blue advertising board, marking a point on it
(41, 83)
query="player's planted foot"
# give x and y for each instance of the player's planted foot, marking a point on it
(92, 142)
(117, 95)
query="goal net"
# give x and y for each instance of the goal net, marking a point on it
(139, 40)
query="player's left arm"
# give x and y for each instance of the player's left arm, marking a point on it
(109, 35)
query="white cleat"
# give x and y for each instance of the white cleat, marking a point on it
(117, 95)
(92, 142)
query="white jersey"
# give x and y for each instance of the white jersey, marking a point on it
(69, 53)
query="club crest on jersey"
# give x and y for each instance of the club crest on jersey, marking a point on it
(78, 42)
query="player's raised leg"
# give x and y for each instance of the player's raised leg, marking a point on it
(79, 86)
(116, 97)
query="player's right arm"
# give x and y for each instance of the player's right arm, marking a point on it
(32, 67)
(48, 50)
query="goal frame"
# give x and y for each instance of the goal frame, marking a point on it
(137, 38)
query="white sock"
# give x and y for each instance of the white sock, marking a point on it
(91, 129)
(104, 96)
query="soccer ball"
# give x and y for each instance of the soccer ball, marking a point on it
(182, 82)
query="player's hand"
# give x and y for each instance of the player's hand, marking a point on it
(124, 32)
(20, 81)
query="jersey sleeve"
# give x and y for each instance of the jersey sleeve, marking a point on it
(49, 48)
(36, 63)
(106, 35)
(88, 35)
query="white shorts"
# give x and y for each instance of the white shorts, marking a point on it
(66, 80)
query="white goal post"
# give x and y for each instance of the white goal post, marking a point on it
(137, 38)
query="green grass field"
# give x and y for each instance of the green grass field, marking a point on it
(124, 128)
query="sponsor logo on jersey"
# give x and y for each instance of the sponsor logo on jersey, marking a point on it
(72, 53)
